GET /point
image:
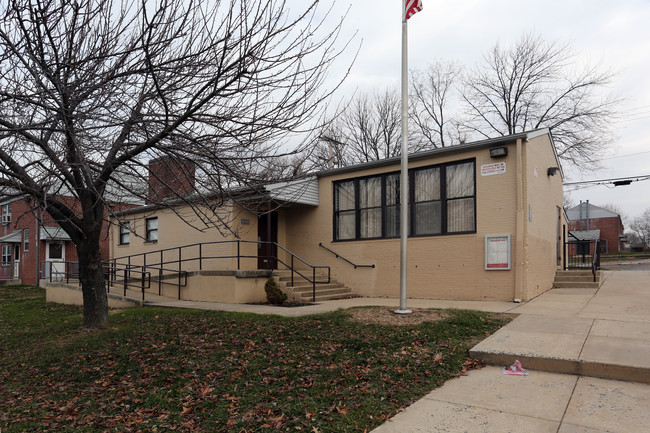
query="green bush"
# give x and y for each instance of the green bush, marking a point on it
(273, 292)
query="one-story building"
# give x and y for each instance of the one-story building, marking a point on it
(485, 223)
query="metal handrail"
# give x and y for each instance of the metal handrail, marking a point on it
(595, 264)
(201, 257)
(338, 256)
(583, 252)
(114, 268)
(111, 271)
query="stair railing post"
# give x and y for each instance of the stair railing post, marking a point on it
(142, 283)
(292, 270)
(565, 248)
(313, 281)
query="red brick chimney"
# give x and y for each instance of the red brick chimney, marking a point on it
(170, 177)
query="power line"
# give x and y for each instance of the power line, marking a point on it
(619, 181)
(623, 156)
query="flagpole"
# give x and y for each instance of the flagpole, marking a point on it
(404, 171)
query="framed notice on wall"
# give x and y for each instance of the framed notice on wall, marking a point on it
(497, 253)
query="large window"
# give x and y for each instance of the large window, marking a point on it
(442, 200)
(26, 240)
(152, 229)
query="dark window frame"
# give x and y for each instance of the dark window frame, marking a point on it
(125, 233)
(149, 232)
(443, 199)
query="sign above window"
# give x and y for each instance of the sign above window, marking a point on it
(492, 169)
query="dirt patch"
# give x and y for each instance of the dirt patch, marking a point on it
(386, 316)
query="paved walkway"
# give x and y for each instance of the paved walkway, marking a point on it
(327, 306)
(593, 333)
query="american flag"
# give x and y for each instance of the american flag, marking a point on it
(413, 7)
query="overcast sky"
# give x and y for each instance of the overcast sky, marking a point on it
(615, 34)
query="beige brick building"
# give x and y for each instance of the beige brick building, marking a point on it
(485, 223)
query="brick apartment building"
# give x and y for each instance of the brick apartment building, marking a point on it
(32, 244)
(596, 221)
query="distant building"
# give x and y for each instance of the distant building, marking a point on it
(587, 219)
(33, 246)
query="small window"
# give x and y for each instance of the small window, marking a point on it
(152, 229)
(26, 240)
(6, 213)
(460, 198)
(6, 254)
(125, 233)
(426, 214)
(344, 210)
(370, 207)
(56, 250)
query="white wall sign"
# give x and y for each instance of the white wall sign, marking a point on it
(497, 252)
(492, 169)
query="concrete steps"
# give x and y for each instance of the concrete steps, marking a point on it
(576, 280)
(302, 290)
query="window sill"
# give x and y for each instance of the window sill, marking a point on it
(438, 235)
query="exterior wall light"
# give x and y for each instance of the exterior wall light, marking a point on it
(498, 152)
(552, 170)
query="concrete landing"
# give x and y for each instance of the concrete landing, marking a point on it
(602, 333)
(587, 347)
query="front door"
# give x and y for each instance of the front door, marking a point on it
(55, 254)
(16, 260)
(267, 232)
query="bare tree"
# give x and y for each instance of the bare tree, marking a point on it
(368, 129)
(531, 85)
(640, 227)
(91, 90)
(432, 91)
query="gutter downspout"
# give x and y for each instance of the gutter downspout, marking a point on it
(520, 229)
(37, 241)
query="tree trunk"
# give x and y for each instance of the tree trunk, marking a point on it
(93, 285)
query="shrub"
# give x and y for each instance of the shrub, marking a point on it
(273, 292)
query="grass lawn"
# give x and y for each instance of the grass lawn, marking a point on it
(196, 371)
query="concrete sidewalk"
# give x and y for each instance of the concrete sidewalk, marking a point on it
(327, 306)
(599, 333)
(592, 333)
